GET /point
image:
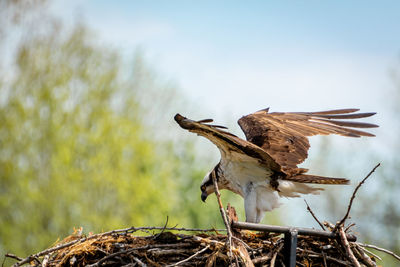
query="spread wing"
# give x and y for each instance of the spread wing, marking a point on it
(230, 146)
(284, 135)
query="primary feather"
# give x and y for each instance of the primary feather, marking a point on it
(284, 135)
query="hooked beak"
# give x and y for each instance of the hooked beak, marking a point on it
(204, 196)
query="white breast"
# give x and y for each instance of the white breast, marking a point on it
(241, 173)
(247, 177)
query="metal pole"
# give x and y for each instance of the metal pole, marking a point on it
(285, 229)
(289, 248)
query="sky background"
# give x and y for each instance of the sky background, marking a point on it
(231, 58)
(234, 57)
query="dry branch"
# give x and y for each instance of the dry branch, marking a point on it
(273, 259)
(341, 222)
(224, 217)
(313, 215)
(365, 258)
(12, 256)
(346, 245)
(191, 257)
(381, 249)
(369, 252)
(240, 244)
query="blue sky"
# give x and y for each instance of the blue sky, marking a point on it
(294, 55)
(230, 58)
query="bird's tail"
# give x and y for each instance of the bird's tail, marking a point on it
(314, 179)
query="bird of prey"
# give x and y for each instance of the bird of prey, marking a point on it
(264, 168)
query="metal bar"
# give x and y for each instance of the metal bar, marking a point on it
(286, 229)
(289, 248)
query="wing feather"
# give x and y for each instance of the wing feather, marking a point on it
(334, 111)
(346, 116)
(284, 136)
(228, 144)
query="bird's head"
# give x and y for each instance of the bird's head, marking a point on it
(207, 186)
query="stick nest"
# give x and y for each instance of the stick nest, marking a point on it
(172, 247)
(163, 246)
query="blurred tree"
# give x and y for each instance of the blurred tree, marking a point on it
(76, 147)
(85, 138)
(68, 157)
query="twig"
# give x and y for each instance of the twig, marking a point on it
(45, 262)
(380, 249)
(345, 263)
(348, 227)
(162, 230)
(369, 252)
(272, 263)
(206, 240)
(364, 257)
(147, 247)
(135, 229)
(115, 254)
(262, 259)
(191, 257)
(12, 256)
(341, 223)
(314, 254)
(158, 252)
(244, 254)
(347, 247)
(243, 243)
(273, 259)
(224, 217)
(324, 258)
(315, 217)
(139, 262)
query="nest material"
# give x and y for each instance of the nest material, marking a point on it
(174, 247)
(177, 248)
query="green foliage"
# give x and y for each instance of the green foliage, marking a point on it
(73, 152)
(76, 148)
(83, 142)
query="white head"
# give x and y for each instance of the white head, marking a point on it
(207, 186)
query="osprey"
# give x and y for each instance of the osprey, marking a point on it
(264, 168)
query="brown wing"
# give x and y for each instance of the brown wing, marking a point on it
(284, 135)
(230, 146)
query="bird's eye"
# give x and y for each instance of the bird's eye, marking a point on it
(203, 188)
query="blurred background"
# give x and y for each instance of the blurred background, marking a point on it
(88, 91)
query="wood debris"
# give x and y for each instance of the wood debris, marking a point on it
(170, 247)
